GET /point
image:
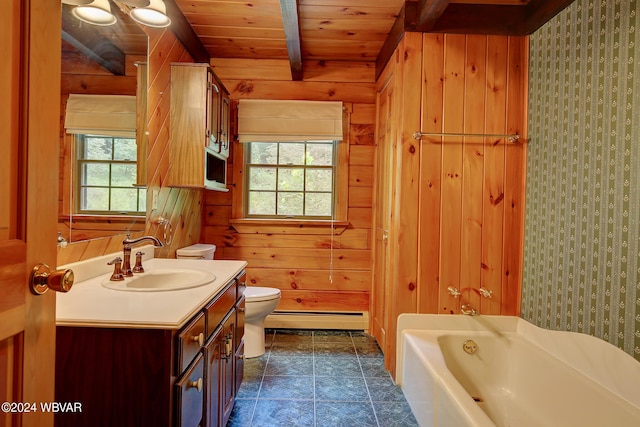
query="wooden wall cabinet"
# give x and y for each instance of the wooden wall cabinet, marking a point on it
(199, 121)
(155, 377)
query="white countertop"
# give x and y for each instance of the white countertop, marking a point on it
(89, 303)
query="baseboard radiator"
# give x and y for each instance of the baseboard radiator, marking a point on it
(352, 320)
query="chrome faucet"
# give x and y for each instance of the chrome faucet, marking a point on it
(127, 243)
(466, 309)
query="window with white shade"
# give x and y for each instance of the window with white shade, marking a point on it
(105, 153)
(291, 150)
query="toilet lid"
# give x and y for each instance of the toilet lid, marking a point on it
(258, 293)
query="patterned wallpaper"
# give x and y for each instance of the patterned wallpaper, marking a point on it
(582, 237)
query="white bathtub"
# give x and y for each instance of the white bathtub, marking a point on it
(519, 376)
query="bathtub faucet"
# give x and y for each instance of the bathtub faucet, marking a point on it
(466, 309)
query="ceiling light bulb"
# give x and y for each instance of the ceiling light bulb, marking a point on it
(154, 15)
(98, 12)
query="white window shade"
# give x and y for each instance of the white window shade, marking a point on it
(111, 115)
(283, 121)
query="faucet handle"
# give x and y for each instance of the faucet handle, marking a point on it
(138, 267)
(485, 292)
(117, 269)
(453, 291)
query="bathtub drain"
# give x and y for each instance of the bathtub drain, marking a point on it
(477, 399)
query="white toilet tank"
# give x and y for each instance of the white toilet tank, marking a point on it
(197, 251)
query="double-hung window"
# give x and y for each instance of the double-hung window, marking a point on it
(106, 174)
(290, 156)
(290, 179)
(105, 155)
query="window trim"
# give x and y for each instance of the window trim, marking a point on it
(77, 185)
(341, 188)
(333, 168)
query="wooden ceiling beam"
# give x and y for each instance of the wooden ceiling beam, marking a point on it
(538, 13)
(290, 20)
(183, 31)
(405, 21)
(429, 12)
(88, 40)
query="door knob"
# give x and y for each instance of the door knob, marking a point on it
(42, 279)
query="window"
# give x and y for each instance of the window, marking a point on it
(106, 174)
(290, 179)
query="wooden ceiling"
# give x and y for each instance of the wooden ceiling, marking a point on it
(331, 30)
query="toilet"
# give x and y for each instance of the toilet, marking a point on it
(197, 251)
(259, 303)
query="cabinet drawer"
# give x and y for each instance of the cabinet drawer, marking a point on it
(189, 395)
(190, 340)
(218, 309)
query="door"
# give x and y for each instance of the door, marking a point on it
(385, 133)
(29, 152)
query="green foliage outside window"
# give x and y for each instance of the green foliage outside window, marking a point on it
(290, 179)
(106, 176)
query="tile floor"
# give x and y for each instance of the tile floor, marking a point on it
(319, 379)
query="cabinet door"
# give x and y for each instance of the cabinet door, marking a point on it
(189, 395)
(213, 352)
(225, 124)
(213, 112)
(227, 363)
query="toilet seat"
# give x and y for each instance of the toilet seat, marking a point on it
(258, 293)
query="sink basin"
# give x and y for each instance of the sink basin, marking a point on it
(162, 280)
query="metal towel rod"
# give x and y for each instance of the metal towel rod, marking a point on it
(511, 137)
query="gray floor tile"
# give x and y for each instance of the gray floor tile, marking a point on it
(384, 390)
(283, 413)
(242, 413)
(337, 367)
(345, 414)
(341, 389)
(394, 414)
(331, 349)
(332, 336)
(291, 348)
(286, 387)
(373, 367)
(289, 365)
(319, 379)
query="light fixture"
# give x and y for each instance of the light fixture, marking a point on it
(76, 2)
(154, 15)
(98, 12)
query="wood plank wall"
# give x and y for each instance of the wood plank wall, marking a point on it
(473, 84)
(183, 207)
(79, 75)
(297, 263)
(460, 198)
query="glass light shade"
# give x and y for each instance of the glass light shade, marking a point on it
(98, 12)
(76, 2)
(154, 15)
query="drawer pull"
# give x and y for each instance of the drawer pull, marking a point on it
(198, 338)
(241, 309)
(196, 385)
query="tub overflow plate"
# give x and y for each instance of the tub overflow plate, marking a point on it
(470, 346)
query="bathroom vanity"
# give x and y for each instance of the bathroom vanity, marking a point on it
(159, 358)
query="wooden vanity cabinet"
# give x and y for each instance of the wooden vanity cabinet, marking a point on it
(154, 377)
(199, 118)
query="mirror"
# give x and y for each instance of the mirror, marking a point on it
(99, 60)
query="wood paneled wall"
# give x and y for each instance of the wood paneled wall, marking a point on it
(473, 85)
(181, 206)
(457, 202)
(314, 270)
(79, 75)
